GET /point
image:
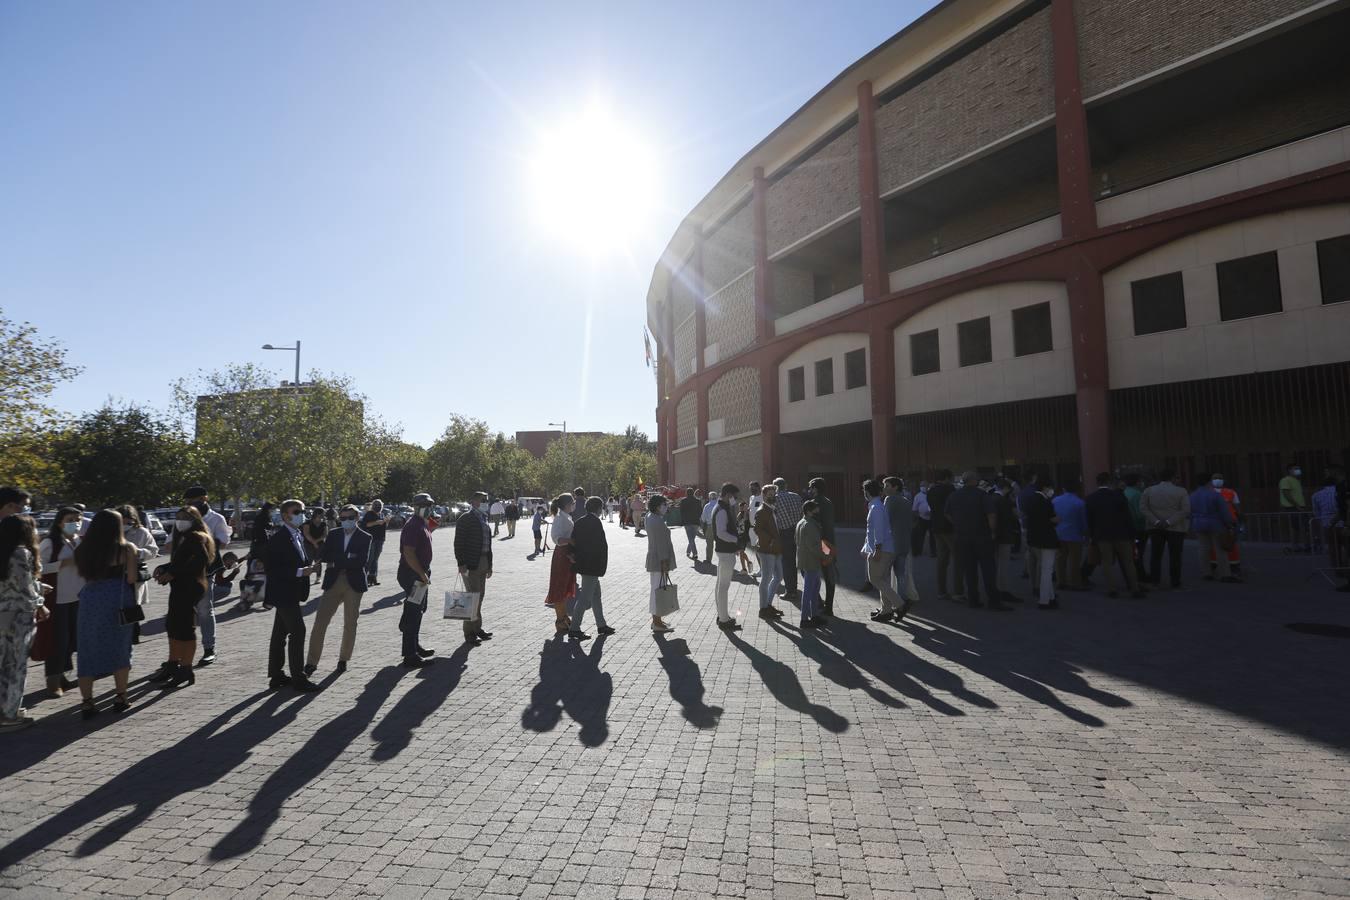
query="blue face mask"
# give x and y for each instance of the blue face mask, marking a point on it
(71, 528)
(296, 519)
(348, 524)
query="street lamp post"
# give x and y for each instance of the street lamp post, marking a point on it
(566, 460)
(296, 348)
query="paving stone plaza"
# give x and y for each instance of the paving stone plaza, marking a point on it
(1187, 744)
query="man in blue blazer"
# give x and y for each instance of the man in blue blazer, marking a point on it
(347, 552)
(289, 565)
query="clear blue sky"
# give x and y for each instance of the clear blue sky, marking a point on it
(181, 183)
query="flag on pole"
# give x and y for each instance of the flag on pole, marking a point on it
(640, 486)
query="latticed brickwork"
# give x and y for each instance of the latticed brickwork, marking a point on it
(734, 398)
(817, 191)
(1120, 40)
(983, 96)
(685, 349)
(729, 249)
(731, 316)
(740, 461)
(686, 421)
(682, 294)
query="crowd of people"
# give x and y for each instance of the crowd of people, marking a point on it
(74, 597)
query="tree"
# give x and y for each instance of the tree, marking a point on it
(467, 457)
(127, 454)
(33, 367)
(601, 465)
(403, 476)
(343, 451)
(637, 440)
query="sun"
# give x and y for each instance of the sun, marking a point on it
(594, 182)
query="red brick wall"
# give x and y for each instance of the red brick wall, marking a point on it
(983, 96)
(815, 192)
(1120, 40)
(729, 249)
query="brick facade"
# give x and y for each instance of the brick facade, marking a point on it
(816, 191)
(731, 316)
(1120, 40)
(734, 398)
(682, 293)
(793, 289)
(684, 468)
(739, 461)
(686, 421)
(981, 97)
(729, 249)
(685, 349)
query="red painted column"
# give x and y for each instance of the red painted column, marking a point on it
(768, 422)
(662, 460)
(881, 376)
(1078, 215)
(700, 299)
(875, 282)
(763, 275)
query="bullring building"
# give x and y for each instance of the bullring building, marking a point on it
(1058, 236)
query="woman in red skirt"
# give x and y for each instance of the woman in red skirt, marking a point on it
(562, 580)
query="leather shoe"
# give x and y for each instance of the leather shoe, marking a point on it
(425, 653)
(578, 635)
(310, 669)
(483, 635)
(603, 629)
(729, 625)
(304, 685)
(882, 616)
(414, 662)
(277, 682)
(341, 666)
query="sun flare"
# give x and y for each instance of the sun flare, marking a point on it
(593, 181)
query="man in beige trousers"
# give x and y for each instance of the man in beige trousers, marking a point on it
(346, 552)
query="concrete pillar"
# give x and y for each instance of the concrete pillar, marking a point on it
(763, 276)
(700, 299)
(768, 421)
(881, 377)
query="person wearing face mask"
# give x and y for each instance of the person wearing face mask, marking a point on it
(1210, 518)
(346, 550)
(1231, 498)
(192, 554)
(1166, 508)
(289, 565)
(57, 555)
(562, 581)
(1038, 514)
(138, 536)
(1293, 504)
(414, 567)
(219, 529)
(376, 524)
(829, 569)
(473, 556)
(13, 501)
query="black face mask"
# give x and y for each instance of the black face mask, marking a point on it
(202, 507)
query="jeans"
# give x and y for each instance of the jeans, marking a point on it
(975, 557)
(1173, 541)
(588, 597)
(810, 595)
(788, 560)
(946, 548)
(475, 582)
(898, 567)
(288, 624)
(770, 577)
(206, 618)
(726, 564)
(373, 560)
(340, 594)
(879, 573)
(691, 532)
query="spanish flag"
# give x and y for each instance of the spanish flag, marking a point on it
(640, 486)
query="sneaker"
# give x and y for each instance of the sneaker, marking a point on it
(661, 629)
(208, 656)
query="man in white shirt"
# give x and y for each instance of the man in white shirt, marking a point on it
(197, 498)
(346, 550)
(496, 511)
(723, 530)
(706, 519)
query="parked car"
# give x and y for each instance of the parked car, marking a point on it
(398, 515)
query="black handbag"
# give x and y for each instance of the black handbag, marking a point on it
(130, 615)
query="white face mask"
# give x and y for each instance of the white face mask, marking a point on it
(1298, 473)
(296, 519)
(71, 528)
(1217, 482)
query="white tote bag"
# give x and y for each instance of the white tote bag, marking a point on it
(461, 604)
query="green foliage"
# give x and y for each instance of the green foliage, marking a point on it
(403, 478)
(119, 455)
(468, 457)
(638, 440)
(33, 367)
(603, 465)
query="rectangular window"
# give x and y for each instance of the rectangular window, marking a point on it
(1159, 303)
(822, 286)
(824, 377)
(1249, 286)
(1333, 264)
(974, 345)
(855, 369)
(796, 384)
(1031, 330)
(923, 353)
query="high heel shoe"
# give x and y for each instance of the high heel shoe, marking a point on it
(121, 704)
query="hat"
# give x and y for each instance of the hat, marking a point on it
(194, 492)
(423, 499)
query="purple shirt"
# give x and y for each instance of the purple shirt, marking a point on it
(415, 535)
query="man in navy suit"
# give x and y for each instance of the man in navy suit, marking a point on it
(346, 552)
(289, 565)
